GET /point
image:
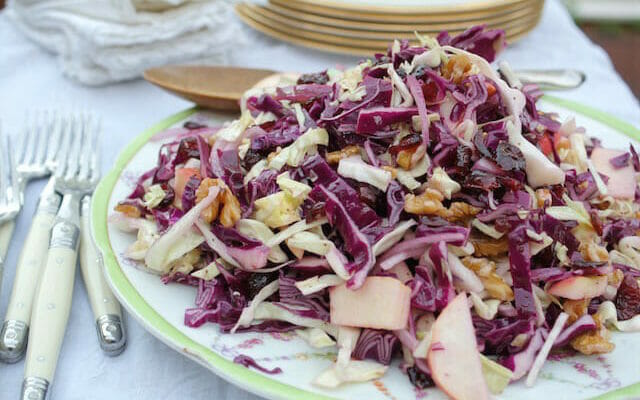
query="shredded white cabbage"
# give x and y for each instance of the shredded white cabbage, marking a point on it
(486, 229)
(277, 210)
(546, 348)
(293, 154)
(248, 313)
(255, 171)
(630, 247)
(260, 231)
(401, 96)
(207, 273)
(315, 337)
(293, 229)
(318, 283)
(608, 314)
(355, 168)
(355, 371)
(441, 182)
(153, 196)
(267, 310)
(393, 237)
(486, 309)
(310, 242)
(297, 190)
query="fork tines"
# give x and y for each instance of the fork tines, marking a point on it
(9, 183)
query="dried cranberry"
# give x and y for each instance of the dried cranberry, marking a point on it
(596, 222)
(628, 298)
(191, 125)
(482, 180)
(188, 148)
(251, 158)
(313, 210)
(419, 379)
(258, 281)
(509, 157)
(319, 77)
(169, 195)
(409, 142)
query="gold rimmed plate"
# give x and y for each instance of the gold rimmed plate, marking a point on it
(491, 20)
(423, 14)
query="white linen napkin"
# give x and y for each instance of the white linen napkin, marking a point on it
(103, 41)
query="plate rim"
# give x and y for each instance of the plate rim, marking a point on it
(475, 6)
(155, 324)
(349, 36)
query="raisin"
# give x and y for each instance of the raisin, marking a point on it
(628, 298)
(319, 77)
(408, 143)
(258, 281)
(251, 158)
(419, 379)
(191, 125)
(509, 157)
(188, 148)
(169, 195)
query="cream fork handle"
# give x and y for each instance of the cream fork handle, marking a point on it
(15, 328)
(52, 303)
(105, 306)
(6, 231)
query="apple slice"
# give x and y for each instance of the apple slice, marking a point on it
(453, 357)
(579, 287)
(622, 181)
(382, 302)
(182, 177)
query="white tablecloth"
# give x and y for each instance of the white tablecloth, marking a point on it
(30, 78)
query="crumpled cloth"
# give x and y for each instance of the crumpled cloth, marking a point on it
(103, 41)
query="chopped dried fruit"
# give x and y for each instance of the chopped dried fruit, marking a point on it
(628, 298)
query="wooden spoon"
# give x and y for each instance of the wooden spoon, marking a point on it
(221, 88)
(218, 88)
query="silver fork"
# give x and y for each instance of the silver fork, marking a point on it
(74, 179)
(41, 146)
(9, 196)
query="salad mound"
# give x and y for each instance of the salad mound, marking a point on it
(417, 206)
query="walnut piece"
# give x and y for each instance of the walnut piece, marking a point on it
(460, 211)
(492, 282)
(230, 212)
(575, 309)
(128, 210)
(456, 68)
(427, 203)
(593, 252)
(489, 247)
(593, 342)
(335, 156)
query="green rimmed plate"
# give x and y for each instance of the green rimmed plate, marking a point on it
(160, 308)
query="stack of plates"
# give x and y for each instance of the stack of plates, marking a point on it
(363, 27)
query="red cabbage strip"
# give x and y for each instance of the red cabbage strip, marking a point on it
(373, 119)
(377, 345)
(520, 262)
(634, 158)
(415, 247)
(423, 291)
(356, 108)
(620, 161)
(250, 362)
(581, 325)
(356, 243)
(395, 202)
(205, 164)
(444, 289)
(418, 97)
(320, 173)
(520, 363)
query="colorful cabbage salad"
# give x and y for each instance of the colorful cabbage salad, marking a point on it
(417, 207)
